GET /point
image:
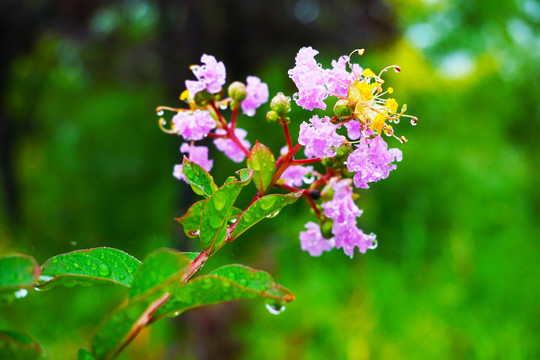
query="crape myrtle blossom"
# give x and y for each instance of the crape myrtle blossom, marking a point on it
(229, 147)
(312, 241)
(197, 154)
(257, 94)
(193, 125)
(372, 161)
(210, 76)
(343, 211)
(319, 137)
(309, 78)
(294, 175)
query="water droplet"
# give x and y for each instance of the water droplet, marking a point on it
(73, 243)
(102, 255)
(223, 106)
(76, 266)
(68, 268)
(176, 313)
(54, 260)
(373, 245)
(89, 263)
(215, 222)
(93, 267)
(45, 278)
(219, 199)
(231, 276)
(37, 289)
(233, 220)
(396, 121)
(308, 178)
(194, 233)
(21, 293)
(275, 308)
(121, 276)
(115, 264)
(103, 270)
(414, 121)
(267, 202)
(160, 113)
(272, 215)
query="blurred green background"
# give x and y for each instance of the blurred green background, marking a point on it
(83, 164)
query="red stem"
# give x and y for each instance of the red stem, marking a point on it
(287, 136)
(230, 131)
(217, 136)
(195, 265)
(304, 161)
(233, 121)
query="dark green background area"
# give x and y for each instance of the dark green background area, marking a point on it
(84, 164)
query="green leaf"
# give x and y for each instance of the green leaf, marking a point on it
(158, 269)
(191, 220)
(200, 180)
(85, 355)
(263, 163)
(18, 346)
(125, 323)
(264, 207)
(87, 267)
(18, 272)
(231, 282)
(218, 210)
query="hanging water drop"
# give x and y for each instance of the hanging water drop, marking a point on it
(21, 293)
(275, 308)
(414, 121)
(160, 113)
(373, 245)
(308, 178)
(223, 106)
(272, 215)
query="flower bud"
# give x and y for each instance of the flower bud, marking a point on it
(272, 117)
(326, 228)
(344, 151)
(237, 92)
(281, 104)
(343, 109)
(202, 98)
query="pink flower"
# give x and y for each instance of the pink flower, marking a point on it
(210, 76)
(193, 125)
(197, 154)
(295, 174)
(343, 211)
(310, 79)
(320, 137)
(257, 94)
(312, 240)
(372, 161)
(229, 147)
(353, 129)
(339, 78)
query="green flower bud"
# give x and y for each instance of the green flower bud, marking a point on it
(272, 117)
(237, 92)
(326, 228)
(328, 162)
(281, 104)
(344, 151)
(327, 193)
(285, 120)
(343, 109)
(202, 98)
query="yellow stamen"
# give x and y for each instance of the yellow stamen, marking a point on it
(184, 95)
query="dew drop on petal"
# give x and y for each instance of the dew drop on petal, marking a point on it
(373, 245)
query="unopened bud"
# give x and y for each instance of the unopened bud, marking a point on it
(281, 104)
(326, 229)
(272, 117)
(343, 109)
(284, 120)
(237, 92)
(344, 151)
(202, 98)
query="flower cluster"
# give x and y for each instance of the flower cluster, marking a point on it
(204, 96)
(349, 143)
